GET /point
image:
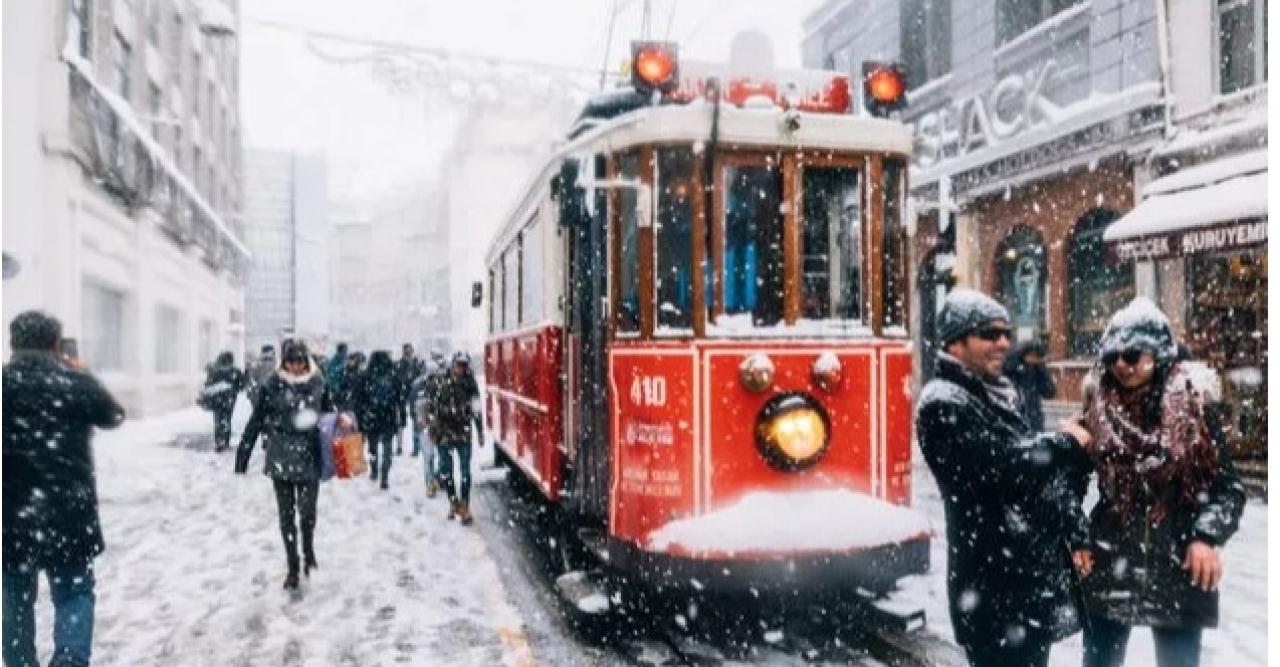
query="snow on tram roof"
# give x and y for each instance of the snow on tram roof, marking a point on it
(691, 123)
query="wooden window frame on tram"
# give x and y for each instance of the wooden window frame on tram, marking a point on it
(792, 163)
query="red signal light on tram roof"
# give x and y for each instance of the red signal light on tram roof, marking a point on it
(654, 66)
(884, 89)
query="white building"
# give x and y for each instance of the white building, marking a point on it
(497, 151)
(390, 272)
(287, 229)
(122, 186)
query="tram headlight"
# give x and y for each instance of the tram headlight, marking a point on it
(792, 431)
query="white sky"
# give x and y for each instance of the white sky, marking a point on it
(293, 100)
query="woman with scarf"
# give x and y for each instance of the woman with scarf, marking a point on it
(287, 411)
(1169, 495)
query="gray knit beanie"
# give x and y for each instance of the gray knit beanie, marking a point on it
(965, 311)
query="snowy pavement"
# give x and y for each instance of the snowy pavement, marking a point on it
(194, 565)
(1239, 641)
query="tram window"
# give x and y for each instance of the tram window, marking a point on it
(510, 288)
(629, 277)
(894, 244)
(530, 274)
(674, 238)
(753, 242)
(832, 237)
(491, 301)
(502, 280)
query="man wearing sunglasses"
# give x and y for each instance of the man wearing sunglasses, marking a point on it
(1012, 496)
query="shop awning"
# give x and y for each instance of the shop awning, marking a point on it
(1208, 208)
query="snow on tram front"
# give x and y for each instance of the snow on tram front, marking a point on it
(697, 350)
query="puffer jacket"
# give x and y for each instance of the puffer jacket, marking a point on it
(287, 411)
(222, 384)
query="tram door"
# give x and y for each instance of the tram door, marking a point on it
(586, 424)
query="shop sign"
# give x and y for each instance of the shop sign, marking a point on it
(1217, 238)
(1015, 104)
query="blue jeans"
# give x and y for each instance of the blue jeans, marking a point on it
(417, 440)
(1105, 642)
(445, 452)
(71, 587)
(429, 470)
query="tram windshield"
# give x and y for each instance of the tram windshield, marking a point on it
(755, 280)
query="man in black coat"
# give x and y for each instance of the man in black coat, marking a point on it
(222, 384)
(1026, 370)
(408, 369)
(50, 491)
(1010, 495)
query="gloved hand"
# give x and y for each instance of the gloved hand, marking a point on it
(242, 458)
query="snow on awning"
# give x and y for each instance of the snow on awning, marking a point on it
(1214, 207)
(787, 523)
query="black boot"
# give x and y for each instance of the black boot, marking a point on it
(291, 580)
(309, 564)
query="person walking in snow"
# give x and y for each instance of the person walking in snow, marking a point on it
(421, 401)
(377, 402)
(222, 384)
(335, 371)
(50, 491)
(286, 410)
(1011, 496)
(1170, 497)
(262, 369)
(456, 408)
(1026, 370)
(409, 368)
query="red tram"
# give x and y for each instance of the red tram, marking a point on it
(697, 350)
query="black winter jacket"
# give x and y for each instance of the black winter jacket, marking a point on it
(50, 489)
(1012, 508)
(453, 411)
(378, 401)
(287, 411)
(1033, 382)
(222, 383)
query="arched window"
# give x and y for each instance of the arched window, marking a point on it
(1020, 281)
(1097, 287)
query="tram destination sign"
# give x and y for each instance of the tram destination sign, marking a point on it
(1215, 238)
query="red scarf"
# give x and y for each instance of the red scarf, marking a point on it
(1175, 457)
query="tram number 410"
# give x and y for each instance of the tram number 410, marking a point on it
(649, 390)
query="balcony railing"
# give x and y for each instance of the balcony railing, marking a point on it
(120, 155)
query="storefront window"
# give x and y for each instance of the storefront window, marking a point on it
(1098, 288)
(1242, 44)
(1014, 17)
(674, 238)
(1227, 328)
(753, 242)
(629, 278)
(1020, 276)
(926, 40)
(832, 251)
(102, 320)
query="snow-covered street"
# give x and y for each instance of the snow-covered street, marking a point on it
(1240, 640)
(193, 569)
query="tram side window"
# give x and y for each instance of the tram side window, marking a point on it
(492, 300)
(502, 295)
(894, 244)
(629, 277)
(510, 288)
(753, 242)
(674, 237)
(832, 236)
(530, 274)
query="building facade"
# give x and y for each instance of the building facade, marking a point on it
(287, 229)
(122, 186)
(1039, 126)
